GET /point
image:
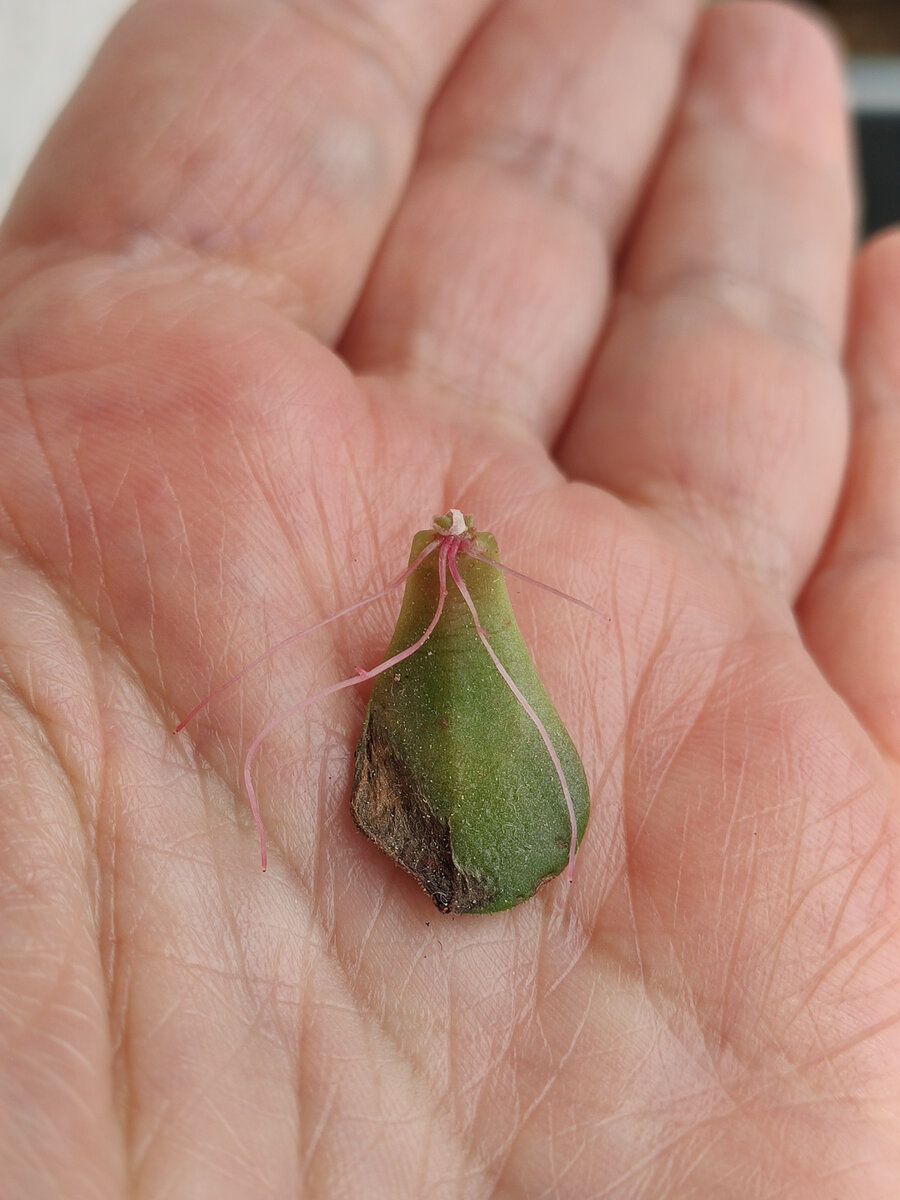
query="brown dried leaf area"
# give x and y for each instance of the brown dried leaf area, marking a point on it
(388, 807)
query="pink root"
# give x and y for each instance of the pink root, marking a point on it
(545, 587)
(516, 691)
(352, 681)
(398, 582)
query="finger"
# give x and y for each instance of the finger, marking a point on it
(717, 396)
(267, 141)
(494, 276)
(849, 612)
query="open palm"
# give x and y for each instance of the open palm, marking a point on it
(286, 280)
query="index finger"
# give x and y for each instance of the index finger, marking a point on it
(263, 144)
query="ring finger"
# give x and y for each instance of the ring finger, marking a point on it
(717, 396)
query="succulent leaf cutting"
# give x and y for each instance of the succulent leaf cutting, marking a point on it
(465, 774)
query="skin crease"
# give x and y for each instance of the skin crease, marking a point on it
(286, 280)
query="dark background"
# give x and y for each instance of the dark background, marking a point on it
(868, 26)
(871, 28)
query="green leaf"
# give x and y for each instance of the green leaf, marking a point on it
(453, 779)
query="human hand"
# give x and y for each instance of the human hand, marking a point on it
(254, 335)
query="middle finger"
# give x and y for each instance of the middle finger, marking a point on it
(493, 280)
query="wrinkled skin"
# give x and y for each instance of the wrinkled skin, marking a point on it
(287, 279)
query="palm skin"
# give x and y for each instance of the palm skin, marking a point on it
(211, 440)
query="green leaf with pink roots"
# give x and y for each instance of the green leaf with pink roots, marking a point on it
(465, 774)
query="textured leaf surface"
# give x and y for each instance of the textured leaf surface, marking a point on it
(452, 777)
